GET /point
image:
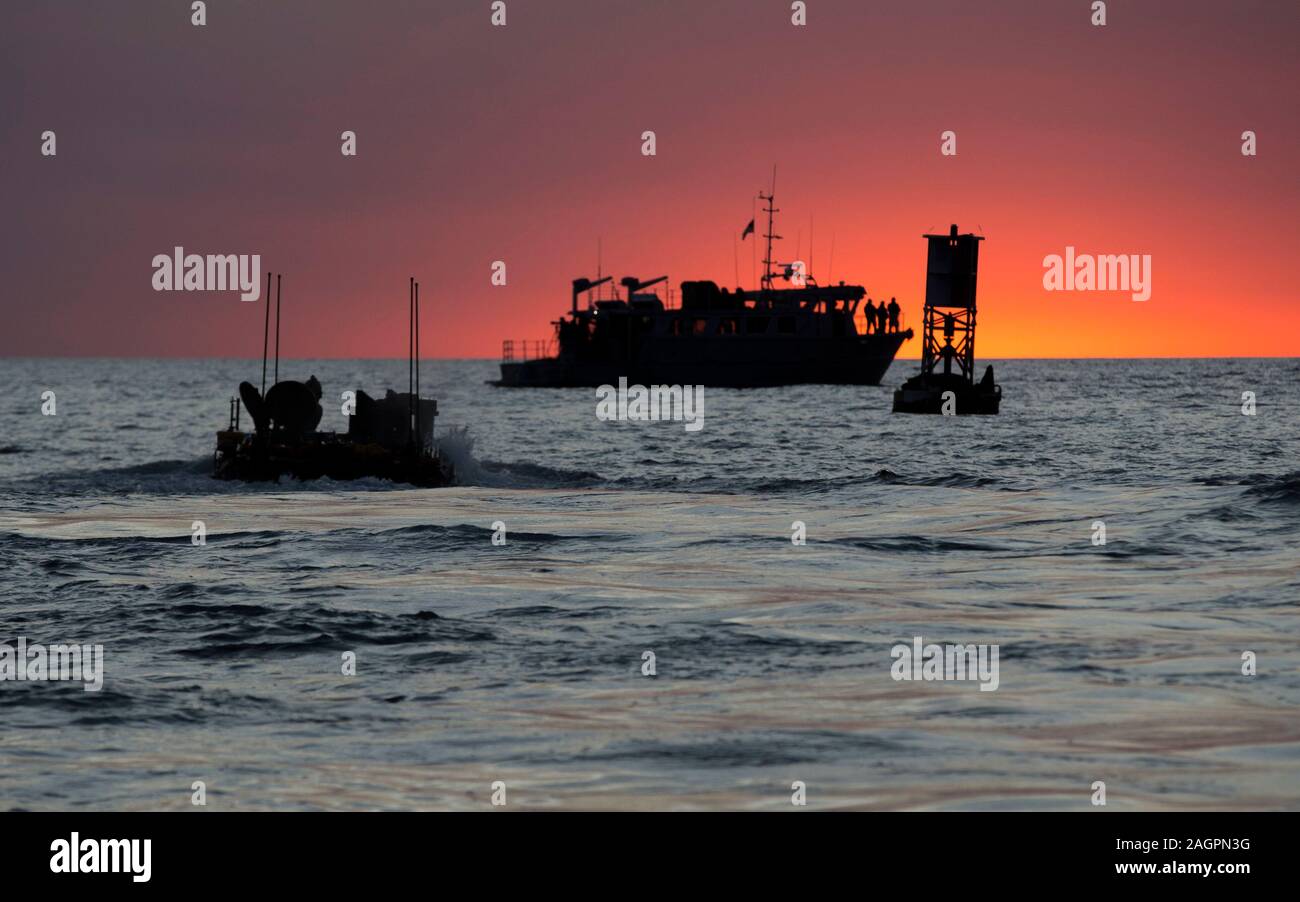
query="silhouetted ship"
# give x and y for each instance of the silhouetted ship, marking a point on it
(952, 265)
(389, 438)
(806, 333)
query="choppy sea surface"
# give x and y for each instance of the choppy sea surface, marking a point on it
(523, 662)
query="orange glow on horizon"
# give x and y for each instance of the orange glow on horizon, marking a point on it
(478, 144)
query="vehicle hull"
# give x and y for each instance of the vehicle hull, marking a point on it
(248, 458)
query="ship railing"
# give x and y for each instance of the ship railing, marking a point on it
(860, 322)
(522, 350)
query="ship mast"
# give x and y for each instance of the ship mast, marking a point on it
(770, 209)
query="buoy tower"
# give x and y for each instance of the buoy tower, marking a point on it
(946, 383)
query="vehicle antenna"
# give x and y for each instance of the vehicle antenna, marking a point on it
(419, 433)
(410, 353)
(277, 328)
(266, 326)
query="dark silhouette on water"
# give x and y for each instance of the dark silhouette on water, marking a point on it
(292, 408)
(390, 438)
(804, 333)
(952, 266)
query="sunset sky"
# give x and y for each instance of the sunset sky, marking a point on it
(523, 144)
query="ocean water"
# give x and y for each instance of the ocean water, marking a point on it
(523, 662)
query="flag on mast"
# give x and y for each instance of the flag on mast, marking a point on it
(749, 230)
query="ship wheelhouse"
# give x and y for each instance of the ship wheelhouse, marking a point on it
(709, 311)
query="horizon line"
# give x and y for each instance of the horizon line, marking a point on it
(498, 360)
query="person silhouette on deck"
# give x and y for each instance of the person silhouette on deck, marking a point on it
(882, 318)
(870, 312)
(893, 314)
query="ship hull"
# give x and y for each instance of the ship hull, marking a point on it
(722, 362)
(324, 456)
